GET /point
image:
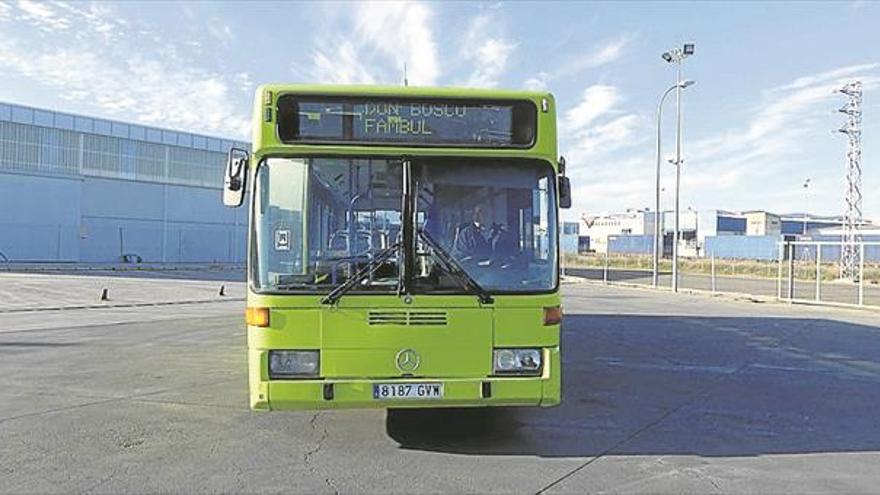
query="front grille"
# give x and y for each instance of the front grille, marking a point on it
(427, 317)
(406, 318)
(387, 318)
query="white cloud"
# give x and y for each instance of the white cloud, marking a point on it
(381, 38)
(117, 76)
(491, 59)
(595, 101)
(590, 134)
(602, 53)
(244, 82)
(488, 54)
(42, 15)
(830, 75)
(608, 136)
(538, 82)
(91, 19)
(340, 65)
(220, 31)
(777, 128)
(738, 167)
(780, 140)
(402, 32)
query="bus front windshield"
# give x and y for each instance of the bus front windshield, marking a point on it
(318, 221)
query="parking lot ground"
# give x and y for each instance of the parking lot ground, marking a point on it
(82, 288)
(662, 393)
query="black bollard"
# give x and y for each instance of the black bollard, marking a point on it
(105, 294)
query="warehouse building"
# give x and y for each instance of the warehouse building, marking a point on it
(81, 189)
(568, 238)
(600, 228)
(753, 234)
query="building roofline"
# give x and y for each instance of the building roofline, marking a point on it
(43, 117)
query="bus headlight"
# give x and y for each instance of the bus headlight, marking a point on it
(517, 361)
(291, 364)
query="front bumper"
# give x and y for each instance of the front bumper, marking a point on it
(544, 391)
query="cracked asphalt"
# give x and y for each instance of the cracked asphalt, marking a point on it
(662, 393)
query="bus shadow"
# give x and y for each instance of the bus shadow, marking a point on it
(637, 385)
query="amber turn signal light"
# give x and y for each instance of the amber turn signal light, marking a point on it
(553, 315)
(257, 317)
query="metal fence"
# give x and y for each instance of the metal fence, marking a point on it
(810, 272)
(803, 272)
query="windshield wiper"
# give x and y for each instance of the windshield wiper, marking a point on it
(454, 268)
(381, 257)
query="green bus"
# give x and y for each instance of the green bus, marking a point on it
(402, 247)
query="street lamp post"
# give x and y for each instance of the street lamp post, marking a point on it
(676, 56)
(655, 274)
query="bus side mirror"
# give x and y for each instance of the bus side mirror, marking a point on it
(564, 186)
(234, 178)
(564, 192)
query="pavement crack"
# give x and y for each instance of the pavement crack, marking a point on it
(331, 485)
(312, 423)
(614, 447)
(307, 457)
(704, 392)
(100, 482)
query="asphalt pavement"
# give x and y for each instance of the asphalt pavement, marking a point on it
(662, 393)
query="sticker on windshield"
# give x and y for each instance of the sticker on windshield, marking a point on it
(282, 240)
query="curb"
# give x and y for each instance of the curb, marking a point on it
(9, 268)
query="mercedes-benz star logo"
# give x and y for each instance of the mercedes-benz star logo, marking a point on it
(407, 360)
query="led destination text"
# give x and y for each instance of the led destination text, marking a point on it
(438, 122)
(397, 118)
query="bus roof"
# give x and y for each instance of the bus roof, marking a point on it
(404, 91)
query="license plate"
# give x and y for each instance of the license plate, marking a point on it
(390, 391)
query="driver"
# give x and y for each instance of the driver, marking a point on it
(471, 240)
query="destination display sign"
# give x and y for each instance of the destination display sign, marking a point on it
(435, 122)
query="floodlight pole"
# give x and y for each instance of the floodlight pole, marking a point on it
(677, 182)
(676, 56)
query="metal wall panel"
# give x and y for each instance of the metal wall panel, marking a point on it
(751, 247)
(39, 217)
(74, 188)
(631, 244)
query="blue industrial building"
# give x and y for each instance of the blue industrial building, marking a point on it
(568, 239)
(755, 234)
(81, 189)
(752, 247)
(631, 244)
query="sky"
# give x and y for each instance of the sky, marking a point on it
(760, 119)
